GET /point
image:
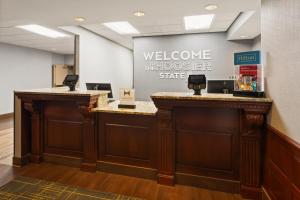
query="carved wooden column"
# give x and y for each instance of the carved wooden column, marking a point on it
(166, 147)
(89, 138)
(36, 134)
(251, 153)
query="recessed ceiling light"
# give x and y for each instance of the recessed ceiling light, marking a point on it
(244, 36)
(79, 19)
(198, 22)
(43, 31)
(139, 13)
(123, 28)
(211, 7)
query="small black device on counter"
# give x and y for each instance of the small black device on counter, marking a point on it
(71, 81)
(197, 83)
(249, 94)
(133, 106)
(220, 86)
(100, 86)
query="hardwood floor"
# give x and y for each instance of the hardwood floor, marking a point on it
(100, 181)
(6, 146)
(6, 121)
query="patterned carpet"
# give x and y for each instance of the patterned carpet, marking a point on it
(23, 188)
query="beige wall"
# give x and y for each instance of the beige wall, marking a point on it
(281, 43)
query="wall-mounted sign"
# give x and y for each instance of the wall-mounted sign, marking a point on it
(247, 58)
(178, 64)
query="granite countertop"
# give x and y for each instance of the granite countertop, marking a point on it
(206, 97)
(142, 108)
(63, 91)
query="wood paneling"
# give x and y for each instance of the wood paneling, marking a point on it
(127, 139)
(214, 144)
(63, 133)
(200, 129)
(57, 137)
(58, 125)
(211, 144)
(282, 166)
(194, 149)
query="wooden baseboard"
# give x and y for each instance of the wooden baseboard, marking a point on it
(229, 186)
(6, 121)
(62, 160)
(6, 115)
(282, 166)
(127, 170)
(20, 162)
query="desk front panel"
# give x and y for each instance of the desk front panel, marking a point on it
(207, 142)
(63, 129)
(127, 139)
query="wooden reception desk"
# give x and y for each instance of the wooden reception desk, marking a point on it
(213, 141)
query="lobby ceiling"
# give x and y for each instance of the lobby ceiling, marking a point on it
(162, 17)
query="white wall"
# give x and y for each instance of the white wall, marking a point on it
(23, 68)
(58, 59)
(101, 60)
(281, 42)
(221, 49)
(257, 43)
(69, 59)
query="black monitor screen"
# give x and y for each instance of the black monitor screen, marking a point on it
(71, 79)
(220, 86)
(100, 86)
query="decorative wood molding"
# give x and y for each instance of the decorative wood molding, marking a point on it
(89, 137)
(36, 132)
(166, 148)
(265, 195)
(251, 154)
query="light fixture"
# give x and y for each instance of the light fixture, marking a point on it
(43, 31)
(211, 7)
(198, 22)
(79, 19)
(53, 49)
(122, 27)
(139, 13)
(244, 36)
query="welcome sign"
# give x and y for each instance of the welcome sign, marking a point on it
(177, 64)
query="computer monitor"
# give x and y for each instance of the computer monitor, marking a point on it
(100, 86)
(197, 82)
(71, 81)
(220, 86)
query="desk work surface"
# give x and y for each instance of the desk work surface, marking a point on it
(142, 108)
(206, 97)
(63, 91)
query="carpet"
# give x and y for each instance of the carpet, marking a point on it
(23, 188)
